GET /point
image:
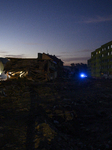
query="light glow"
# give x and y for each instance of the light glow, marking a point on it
(82, 75)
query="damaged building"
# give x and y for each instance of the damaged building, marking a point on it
(46, 67)
(51, 65)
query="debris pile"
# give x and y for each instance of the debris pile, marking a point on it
(55, 115)
(32, 69)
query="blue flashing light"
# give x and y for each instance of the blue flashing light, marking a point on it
(82, 75)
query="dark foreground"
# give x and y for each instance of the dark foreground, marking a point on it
(61, 115)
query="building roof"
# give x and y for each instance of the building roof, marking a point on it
(108, 43)
(54, 58)
(50, 57)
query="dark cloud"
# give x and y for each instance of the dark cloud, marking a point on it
(75, 59)
(65, 55)
(31, 44)
(16, 56)
(64, 52)
(2, 52)
(98, 19)
(58, 56)
(86, 50)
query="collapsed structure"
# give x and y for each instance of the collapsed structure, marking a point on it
(45, 67)
(51, 65)
(3, 75)
(100, 64)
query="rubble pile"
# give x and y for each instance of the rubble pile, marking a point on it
(28, 68)
(37, 76)
(63, 115)
(32, 69)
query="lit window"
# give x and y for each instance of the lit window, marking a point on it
(102, 55)
(108, 47)
(108, 53)
(111, 46)
(99, 52)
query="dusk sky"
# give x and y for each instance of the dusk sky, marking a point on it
(69, 29)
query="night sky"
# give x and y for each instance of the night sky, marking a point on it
(69, 29)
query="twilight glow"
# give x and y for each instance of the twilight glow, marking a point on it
(69, 29)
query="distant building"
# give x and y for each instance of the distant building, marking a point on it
(100, 63)
(52, 65)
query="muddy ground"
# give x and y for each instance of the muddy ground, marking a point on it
(59, 115)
